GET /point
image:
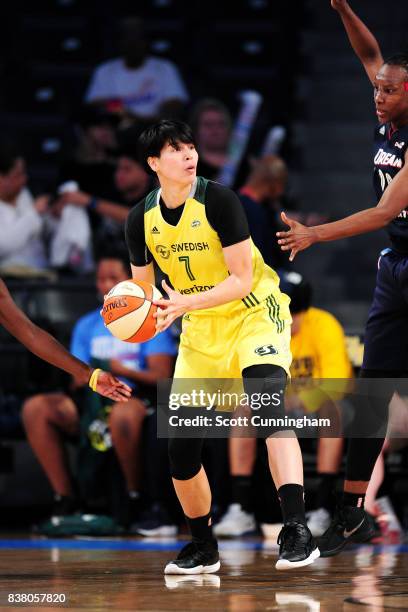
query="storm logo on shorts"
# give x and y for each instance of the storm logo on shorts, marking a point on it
(163, 251)
(267, 349)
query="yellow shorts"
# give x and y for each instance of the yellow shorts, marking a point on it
(222, 347)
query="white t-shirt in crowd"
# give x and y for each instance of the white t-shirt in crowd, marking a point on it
(21, 240)
(142, 90)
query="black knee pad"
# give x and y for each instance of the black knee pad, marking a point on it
(185, 457)
(267, 380)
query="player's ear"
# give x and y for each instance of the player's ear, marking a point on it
(152, 161)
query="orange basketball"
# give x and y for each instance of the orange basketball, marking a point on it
(128, 310)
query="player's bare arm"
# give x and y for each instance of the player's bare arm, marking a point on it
(238, 284)
(143, 273)
(361, 39)
(393, 201)
(48, 348)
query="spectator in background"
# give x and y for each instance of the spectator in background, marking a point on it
(21, 217)
(138, 84)
(211, 123)
(260, 197)
(132, 183)
(49, 419)
(92, 164)
(27, 224)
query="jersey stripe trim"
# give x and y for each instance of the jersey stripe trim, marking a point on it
(151, 200)
(200, 189)
(274, 313)
(279, 323)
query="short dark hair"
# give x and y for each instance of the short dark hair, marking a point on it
(154, 138)
(9, 153)
(398, 59)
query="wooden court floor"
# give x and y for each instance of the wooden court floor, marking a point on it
(125, 574)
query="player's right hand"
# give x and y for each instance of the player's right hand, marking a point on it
(109, 386)
(338, 5)
(298, 238)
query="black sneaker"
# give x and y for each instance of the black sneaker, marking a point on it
(197, 557)
(296, 546)
(349, 524)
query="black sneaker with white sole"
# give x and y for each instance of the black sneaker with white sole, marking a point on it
(197, 557)
(297, 547)
(349, 524)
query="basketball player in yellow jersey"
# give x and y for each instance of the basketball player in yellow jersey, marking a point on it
(236, 323)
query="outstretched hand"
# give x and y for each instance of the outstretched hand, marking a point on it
(169, 310)
(298, 238)
(111, 387)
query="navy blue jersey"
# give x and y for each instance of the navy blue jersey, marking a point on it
(389, 158)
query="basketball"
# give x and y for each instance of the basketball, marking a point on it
(128, 310)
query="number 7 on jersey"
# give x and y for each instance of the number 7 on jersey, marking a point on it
(186, 260)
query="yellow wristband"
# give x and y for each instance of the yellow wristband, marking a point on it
(93, 381)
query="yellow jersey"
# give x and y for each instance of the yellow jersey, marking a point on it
(190, 252)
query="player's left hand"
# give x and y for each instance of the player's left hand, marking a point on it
(169, 310)
(111, 387)
(298, 238)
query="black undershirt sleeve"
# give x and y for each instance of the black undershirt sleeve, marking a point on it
(226, 214)
(139, 254)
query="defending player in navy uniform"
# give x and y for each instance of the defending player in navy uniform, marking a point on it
(386, 336)
(236, 324)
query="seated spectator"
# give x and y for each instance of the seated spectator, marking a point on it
(132, 183)
(51, 419)
(319, 351)
(92, 163)
(140, 85)
(27, 223)
(21, 217)
(260, 196)
(211, 123)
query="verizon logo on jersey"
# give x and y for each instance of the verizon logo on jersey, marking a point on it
(387, 159)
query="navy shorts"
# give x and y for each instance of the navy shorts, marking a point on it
(386, 334)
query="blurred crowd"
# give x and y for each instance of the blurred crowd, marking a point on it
(101, 176)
